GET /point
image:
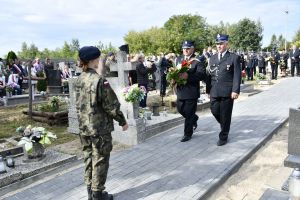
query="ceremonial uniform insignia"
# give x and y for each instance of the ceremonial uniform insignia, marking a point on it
(106, 83)
(228, 66)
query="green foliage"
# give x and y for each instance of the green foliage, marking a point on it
(134, 93)
(67, 51)
(246, 35)
(54, 104)
(186, 27)
(106, 48)
(260, 76)
(11, 56)
(296, 38)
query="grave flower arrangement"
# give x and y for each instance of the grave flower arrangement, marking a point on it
(243, 75)
(134, 93)
(176, 75)
(270, 59)
(34, 135)
(10, 88)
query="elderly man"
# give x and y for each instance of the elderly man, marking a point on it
(188, 94)
(223, 85)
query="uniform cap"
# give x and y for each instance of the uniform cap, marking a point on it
(187, 44)
(88, 53)
(222, 38)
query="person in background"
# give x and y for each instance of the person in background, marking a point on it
(295, 60)
(97, 106)
(2, 85)
(13, 83)
(142, 77)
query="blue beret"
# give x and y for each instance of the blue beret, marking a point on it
(187, 44)
(222, 38)
(88, 53)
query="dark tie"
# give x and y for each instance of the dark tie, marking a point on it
(220, 56)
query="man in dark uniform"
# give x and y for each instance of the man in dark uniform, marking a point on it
(223, 85)
(274, 63)
(163, 67)
(294, 56)
(188, 94)
(261, 64)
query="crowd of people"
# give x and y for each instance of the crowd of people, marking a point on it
(14, 74)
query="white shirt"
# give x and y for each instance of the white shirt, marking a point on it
(219, 56)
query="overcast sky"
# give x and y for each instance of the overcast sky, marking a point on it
(48, 23)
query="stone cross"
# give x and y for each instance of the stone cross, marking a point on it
(135, 133)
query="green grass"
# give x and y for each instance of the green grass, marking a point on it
(12, 118)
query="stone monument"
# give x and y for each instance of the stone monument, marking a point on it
(136, 131)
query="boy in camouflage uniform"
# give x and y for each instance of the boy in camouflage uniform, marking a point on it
(97, 105)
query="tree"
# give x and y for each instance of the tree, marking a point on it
(186, 27)
(281, 42)
(296, 37)
(246, 35)
(67, 51)
(11, 56)
(105, 48)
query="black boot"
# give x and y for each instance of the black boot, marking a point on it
(102, 195)
(106, 196)
(97, 195)
(89, 191)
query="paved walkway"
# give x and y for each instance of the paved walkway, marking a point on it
(163, 168)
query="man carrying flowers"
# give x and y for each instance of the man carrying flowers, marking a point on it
(187, 83)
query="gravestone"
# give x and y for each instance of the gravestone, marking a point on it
(54, 82)
(293, 159)
(72, 114)
(136, 131)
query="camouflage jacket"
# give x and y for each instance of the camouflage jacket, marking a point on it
(97, 104)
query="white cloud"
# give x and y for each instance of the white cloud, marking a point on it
(48, 23)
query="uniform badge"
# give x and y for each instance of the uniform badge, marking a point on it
(106, 83)
(228, 66)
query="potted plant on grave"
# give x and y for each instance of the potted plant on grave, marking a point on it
(9, 89)
(34, 140)
(134, 94)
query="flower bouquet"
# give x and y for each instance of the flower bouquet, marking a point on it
(34, 135)
(134, 93)
(176, 76)
(9, 88)
(282, 64)
(270, 59)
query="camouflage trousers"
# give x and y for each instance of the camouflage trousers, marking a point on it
(96, 152)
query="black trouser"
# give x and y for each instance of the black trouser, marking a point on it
(274, 68)
(249, 73)
(187, 108)
(221, 108)
(293, 66)
(262, 70)
(163, 84)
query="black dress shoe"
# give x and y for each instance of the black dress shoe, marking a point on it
(195, 125)
(185, 138)
(221, 142)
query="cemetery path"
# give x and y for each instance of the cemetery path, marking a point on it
(163, 168)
